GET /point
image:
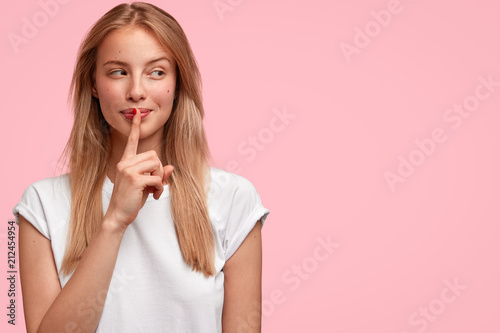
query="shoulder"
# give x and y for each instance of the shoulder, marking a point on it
(42, 200)
(45, 193)
(236, 206)
(49, 186)
(224, 184)
(232, 196)
(49, 181)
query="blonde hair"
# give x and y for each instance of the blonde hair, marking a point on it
(184, 142)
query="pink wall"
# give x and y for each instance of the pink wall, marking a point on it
(369, 125)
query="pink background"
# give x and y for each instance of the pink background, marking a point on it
(353, 118)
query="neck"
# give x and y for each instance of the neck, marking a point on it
(118, 143)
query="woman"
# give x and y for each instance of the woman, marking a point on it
(141, 235)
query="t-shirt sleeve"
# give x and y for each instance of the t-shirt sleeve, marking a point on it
(245, 210)
(31, 208)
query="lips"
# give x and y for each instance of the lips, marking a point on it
(129, 113)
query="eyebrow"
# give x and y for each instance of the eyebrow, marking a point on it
(121, 63)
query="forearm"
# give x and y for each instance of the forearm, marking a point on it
(79, 305)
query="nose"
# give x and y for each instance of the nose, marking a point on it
(136, 90)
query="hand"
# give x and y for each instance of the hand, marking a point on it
(132, 183)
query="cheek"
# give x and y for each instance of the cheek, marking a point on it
(108, 93)
(164, 98)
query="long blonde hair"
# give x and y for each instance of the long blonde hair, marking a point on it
(184, 142)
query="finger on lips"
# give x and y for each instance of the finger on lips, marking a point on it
(155, 168)
(133, 137)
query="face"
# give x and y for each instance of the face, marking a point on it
(133, 70)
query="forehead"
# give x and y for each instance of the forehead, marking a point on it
(131, 44)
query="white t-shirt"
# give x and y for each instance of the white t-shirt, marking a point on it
(153, 289)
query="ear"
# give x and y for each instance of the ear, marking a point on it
(94, 91)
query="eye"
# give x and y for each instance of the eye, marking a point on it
(118, 72)
(158, 72)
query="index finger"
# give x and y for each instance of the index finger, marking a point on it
(133, 137)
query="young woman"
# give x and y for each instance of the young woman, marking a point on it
(141, 235)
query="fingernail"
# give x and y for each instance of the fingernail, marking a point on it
(135, 111)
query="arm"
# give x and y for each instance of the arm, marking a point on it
(243, 286)
(78, 306)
